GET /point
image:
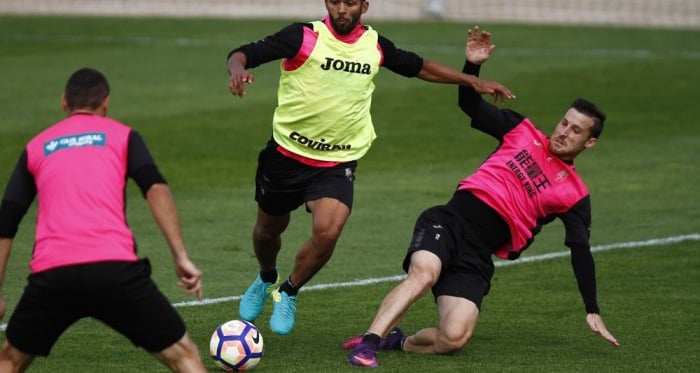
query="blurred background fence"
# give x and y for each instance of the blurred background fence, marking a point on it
(653, 13)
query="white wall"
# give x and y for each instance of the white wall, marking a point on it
(656, 13)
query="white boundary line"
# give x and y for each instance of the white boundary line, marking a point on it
(530, 259)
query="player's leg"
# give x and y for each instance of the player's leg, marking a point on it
(329, 198)
(328, 219)
(13, 360)
(267, 242)
(123, 296)
(329, 216)
(267, 238)
(275, 203)
(276, 195)
(459, 295)
(423, 272)
(182, 356)
(458, 318)
(44, 311)
(328, 195)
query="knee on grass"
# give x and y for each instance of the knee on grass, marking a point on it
(449, 343)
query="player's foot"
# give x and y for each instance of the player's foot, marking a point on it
(352, 342)
(363, 355)
(283, 312)
(393, 341)
(254, 299)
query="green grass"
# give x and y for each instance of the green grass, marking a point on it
(169, 82)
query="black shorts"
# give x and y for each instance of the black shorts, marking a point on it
(467, 266)
(282, 184)
(120, 294)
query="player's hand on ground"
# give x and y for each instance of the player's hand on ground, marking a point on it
(479, 47)
(595, 322)
(190, 277)
(238, 81)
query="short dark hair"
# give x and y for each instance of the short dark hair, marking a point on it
(589, 109)
(86, 88)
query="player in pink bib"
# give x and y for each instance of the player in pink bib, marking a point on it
(528, 181)
(84, 261)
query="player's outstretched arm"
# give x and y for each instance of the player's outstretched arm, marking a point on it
(5, 248)
(595, 322)
(162, 204)
(438, 73)
(239, 75)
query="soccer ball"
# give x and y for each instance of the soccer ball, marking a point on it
(236, 345)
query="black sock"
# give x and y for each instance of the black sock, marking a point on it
(289, 288)
(269, 276)
(372, 339)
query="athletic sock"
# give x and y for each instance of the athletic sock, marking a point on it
(289, 288)
(269, 276)
(371, 339)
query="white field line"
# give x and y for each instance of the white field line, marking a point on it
(529, 259)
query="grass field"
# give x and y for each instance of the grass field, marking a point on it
(169, 81)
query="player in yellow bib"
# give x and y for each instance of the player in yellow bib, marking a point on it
(321, 127)
(335, 81)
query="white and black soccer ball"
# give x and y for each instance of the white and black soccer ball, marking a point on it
(236, 346)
